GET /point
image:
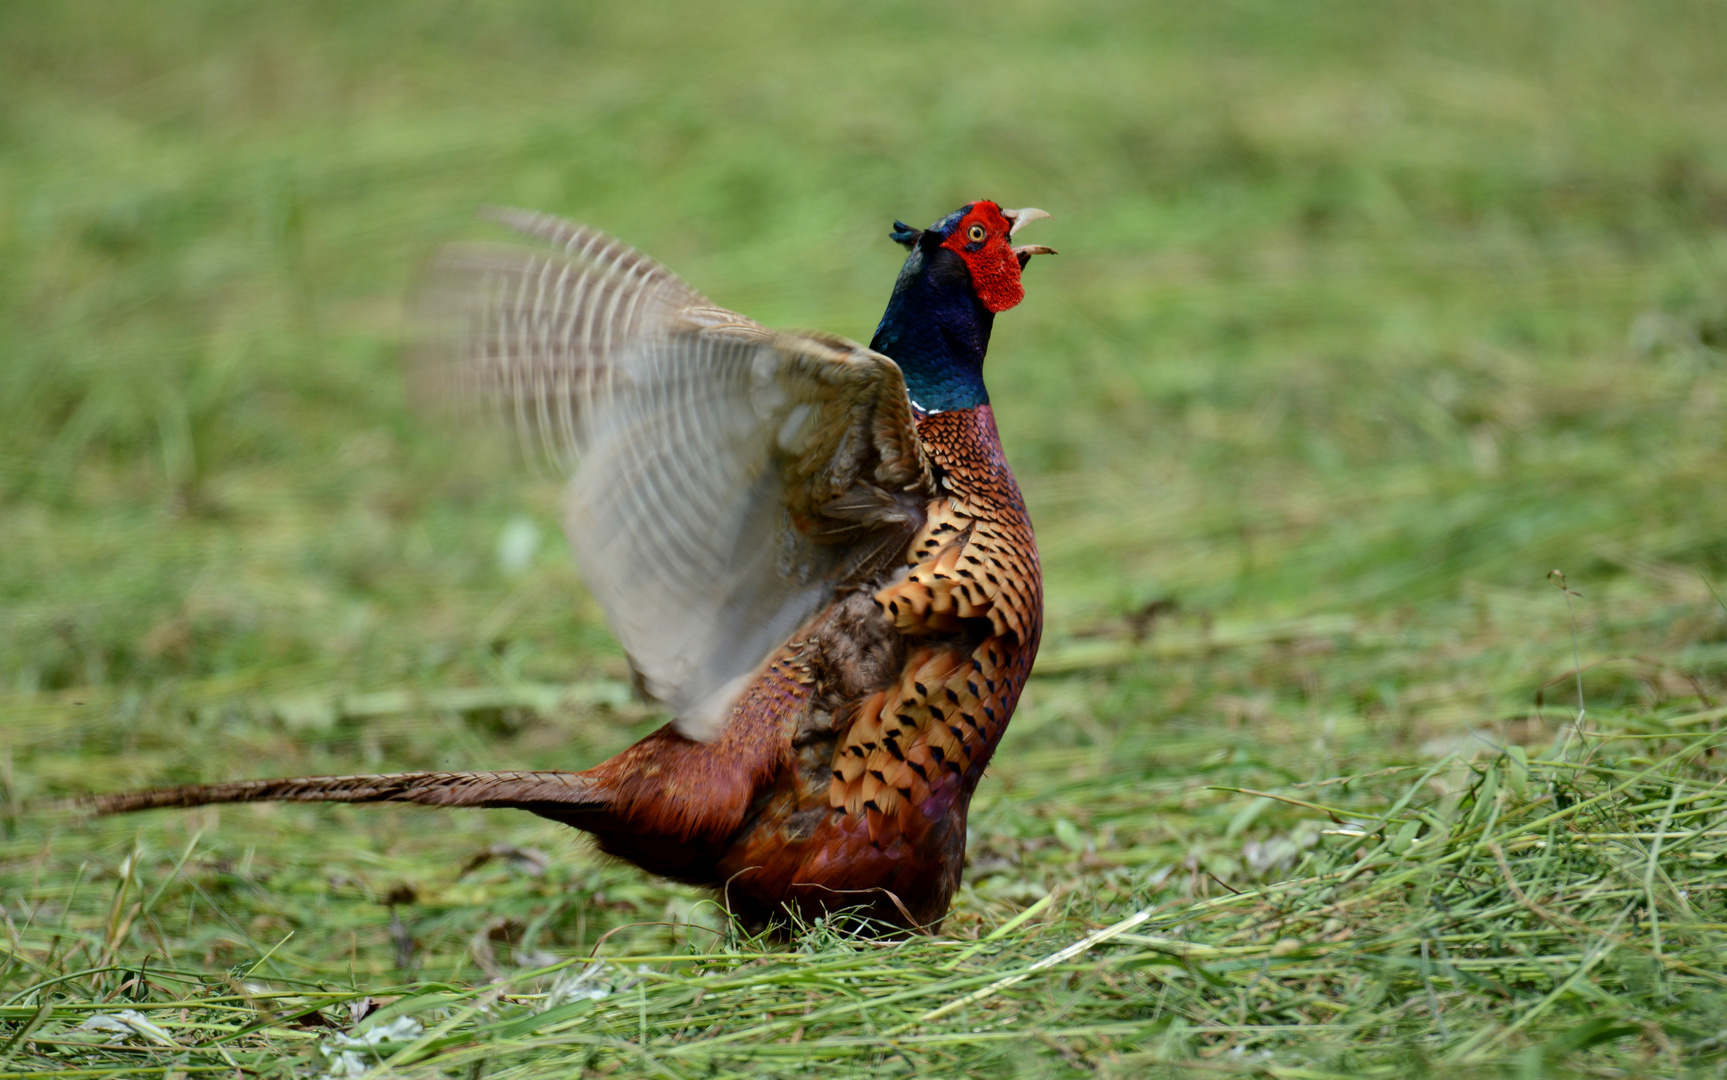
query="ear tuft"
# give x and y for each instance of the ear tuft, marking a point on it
(905, 234)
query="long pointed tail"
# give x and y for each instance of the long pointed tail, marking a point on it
(561, 796)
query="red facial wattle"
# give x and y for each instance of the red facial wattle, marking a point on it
(994, 265)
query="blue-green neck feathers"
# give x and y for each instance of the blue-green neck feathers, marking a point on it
(935, 327)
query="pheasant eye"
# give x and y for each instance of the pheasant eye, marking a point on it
(975, 234)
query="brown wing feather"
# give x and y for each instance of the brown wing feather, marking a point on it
(726, 481)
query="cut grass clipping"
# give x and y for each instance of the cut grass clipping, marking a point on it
(1540, 908)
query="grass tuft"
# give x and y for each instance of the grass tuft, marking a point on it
(1462, 915)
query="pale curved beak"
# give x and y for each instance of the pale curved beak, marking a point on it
(1020, 217)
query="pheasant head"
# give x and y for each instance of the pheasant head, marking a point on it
(961, 271)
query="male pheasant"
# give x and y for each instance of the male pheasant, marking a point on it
(814, 554)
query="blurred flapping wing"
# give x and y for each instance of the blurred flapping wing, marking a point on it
(725, 481)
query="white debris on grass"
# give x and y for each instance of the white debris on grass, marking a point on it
(125, 1025)
(584, 985)
(518, 543)
(346, 1053)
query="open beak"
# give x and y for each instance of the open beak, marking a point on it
(1018, 218)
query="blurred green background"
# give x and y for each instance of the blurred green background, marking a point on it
(1367, 316)
(1359, 306)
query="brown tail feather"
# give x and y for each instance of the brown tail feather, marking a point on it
(557, 795)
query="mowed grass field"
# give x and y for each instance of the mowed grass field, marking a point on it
(1367, 318)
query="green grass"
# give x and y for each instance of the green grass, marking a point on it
(1367, 317)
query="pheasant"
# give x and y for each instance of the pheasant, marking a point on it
(814, 554)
